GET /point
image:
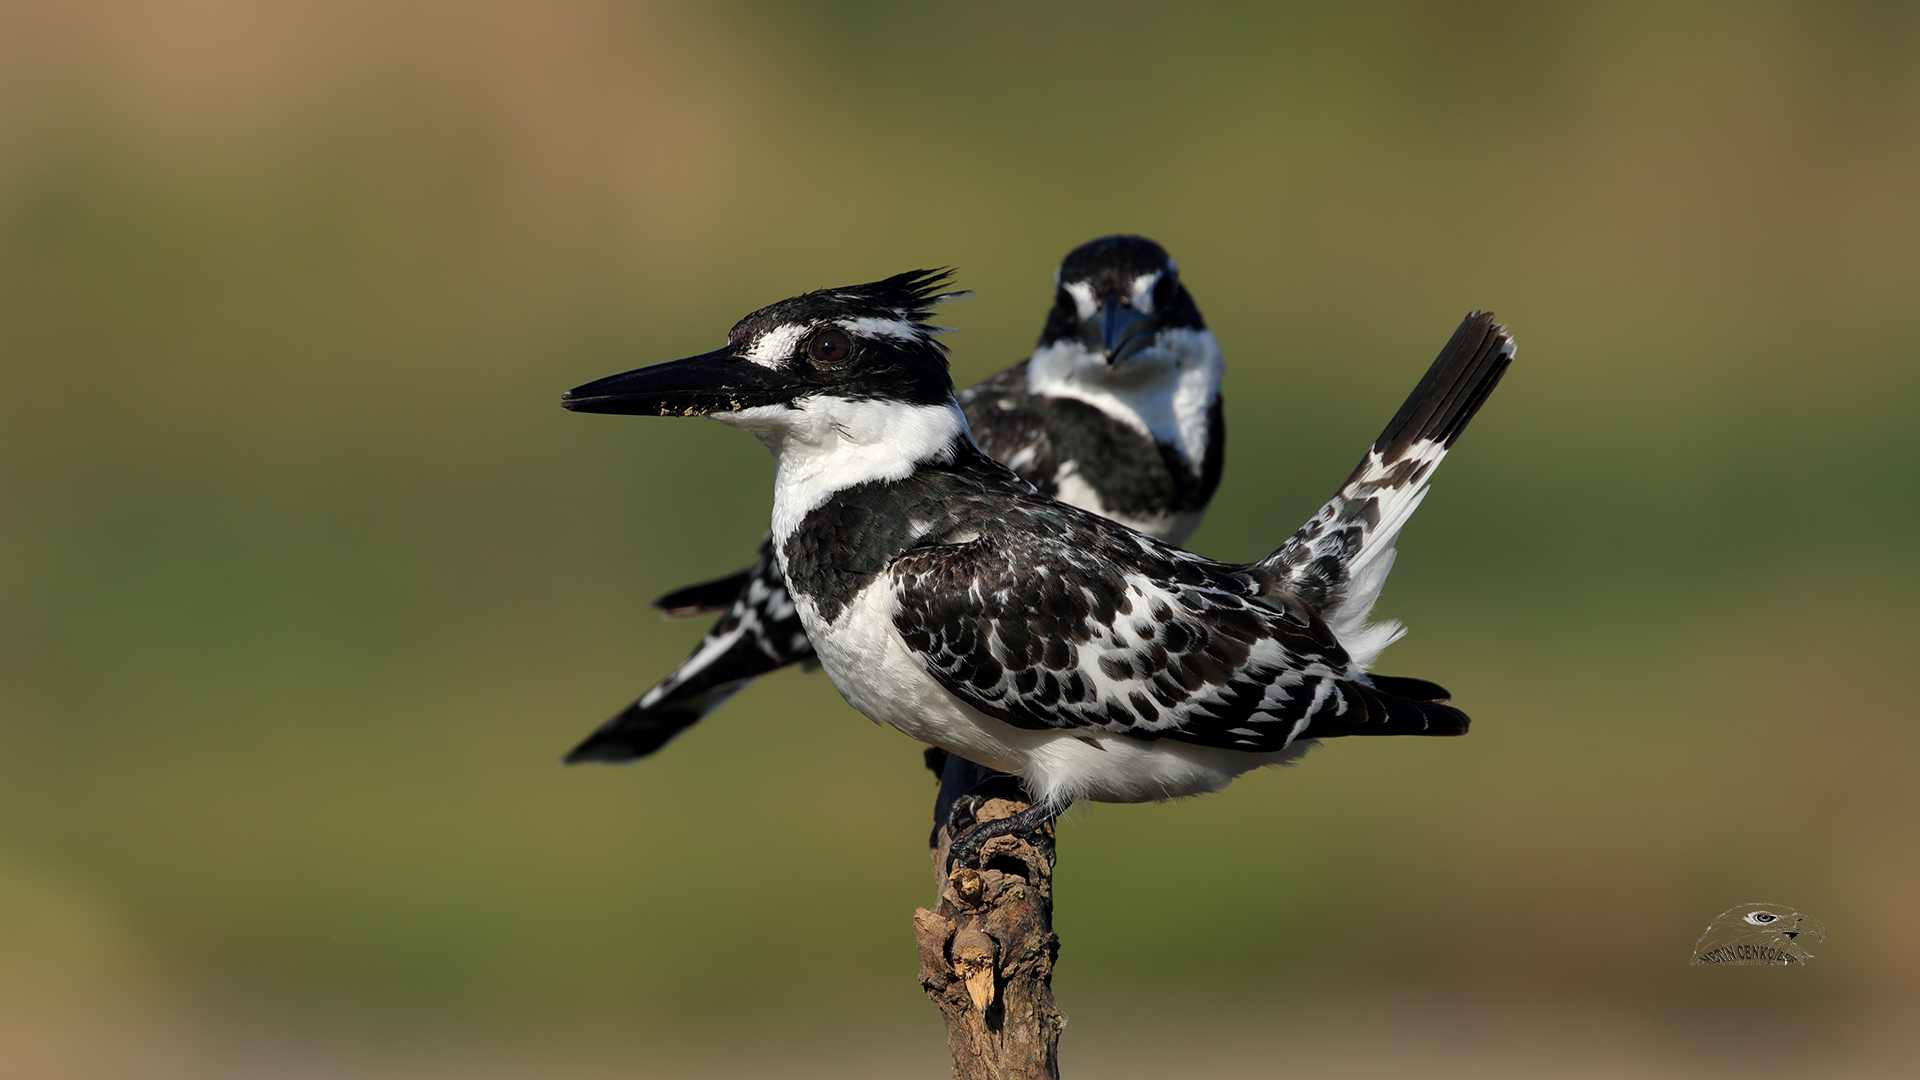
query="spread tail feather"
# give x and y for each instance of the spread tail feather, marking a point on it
(1383, 711)
(1416, 689)
(706, 598)
(1338, 562)
(760, 633)
(637, 732)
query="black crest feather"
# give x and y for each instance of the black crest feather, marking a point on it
(912, 295)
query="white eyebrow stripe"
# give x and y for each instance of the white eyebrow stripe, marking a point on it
(775, 345)
(868, 326)
(1082, 294)
(1142, 290)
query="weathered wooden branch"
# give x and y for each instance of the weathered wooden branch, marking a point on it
(987, 951)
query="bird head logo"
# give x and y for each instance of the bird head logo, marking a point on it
(1758, 934)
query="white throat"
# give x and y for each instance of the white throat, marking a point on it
(1165, 390)
(828, 444)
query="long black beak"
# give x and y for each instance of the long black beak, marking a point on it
(1124, 329)
(713, 382)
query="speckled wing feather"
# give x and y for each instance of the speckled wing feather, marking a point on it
(1338, 562)
(1061, 619)
(1006, 424)
(1053, 441)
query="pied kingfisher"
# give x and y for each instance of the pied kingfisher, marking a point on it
(1117, 411)
(953, 600)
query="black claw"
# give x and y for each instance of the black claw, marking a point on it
(960, 814)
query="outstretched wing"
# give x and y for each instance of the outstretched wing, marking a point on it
(1338, 562)
(1094, 628)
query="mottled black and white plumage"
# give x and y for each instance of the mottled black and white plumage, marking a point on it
(953, 600)
(1117, 411)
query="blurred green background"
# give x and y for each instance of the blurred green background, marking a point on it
(306, 580)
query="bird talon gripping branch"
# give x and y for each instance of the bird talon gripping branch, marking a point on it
(1034, 825)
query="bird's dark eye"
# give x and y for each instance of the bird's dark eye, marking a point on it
(831, 347)
(1763, 917)
(1064, 301)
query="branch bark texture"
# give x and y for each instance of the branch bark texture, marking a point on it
(987, 951)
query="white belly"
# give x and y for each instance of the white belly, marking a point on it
(874, 670)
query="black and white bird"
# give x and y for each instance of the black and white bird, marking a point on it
(1117, 411)
(951, 599)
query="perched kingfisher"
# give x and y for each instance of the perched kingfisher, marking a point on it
(1117, 411)
(950, 598)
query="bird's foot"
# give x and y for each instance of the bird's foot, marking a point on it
(1033, 824)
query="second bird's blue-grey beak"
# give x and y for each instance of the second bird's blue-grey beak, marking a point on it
(719, 381)
(1124, 329)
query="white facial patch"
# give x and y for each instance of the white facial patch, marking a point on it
(776, 345)
(1141, 292)
(1083, 299)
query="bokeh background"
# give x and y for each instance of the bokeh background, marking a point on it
(306, 580)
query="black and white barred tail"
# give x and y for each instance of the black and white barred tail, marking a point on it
(1338, 562)
(760, 633)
